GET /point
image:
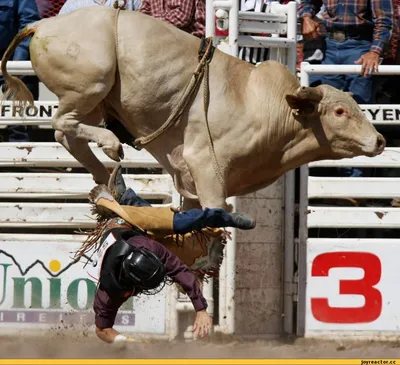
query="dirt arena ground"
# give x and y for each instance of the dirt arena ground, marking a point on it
(58, 345)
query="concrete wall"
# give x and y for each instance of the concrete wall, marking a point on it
(259, 264)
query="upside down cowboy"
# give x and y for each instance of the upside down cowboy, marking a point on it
(136, 248)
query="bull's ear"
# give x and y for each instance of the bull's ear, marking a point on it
(304, 105)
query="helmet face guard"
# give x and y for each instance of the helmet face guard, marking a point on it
(143, 270)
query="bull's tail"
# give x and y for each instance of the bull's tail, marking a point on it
(15, 89)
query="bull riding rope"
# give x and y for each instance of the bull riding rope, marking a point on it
(201, 70)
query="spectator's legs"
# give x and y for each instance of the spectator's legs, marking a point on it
(332, 57)
(360, 86)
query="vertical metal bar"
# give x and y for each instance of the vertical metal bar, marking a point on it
(173, 321)
(222, 294)
(234, 28)
(288, 257)
(303, 230)
(304, 76)
(231, 276)
(292, 34)
(302, 259)
(289, 193)
(210, 18)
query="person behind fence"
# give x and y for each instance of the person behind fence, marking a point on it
(14, 16)
(313, 49)
(356, 32)
(49, 8)
(72, 5)
(138, 253)
(188, 15)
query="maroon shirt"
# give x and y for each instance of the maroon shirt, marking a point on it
(106, 308)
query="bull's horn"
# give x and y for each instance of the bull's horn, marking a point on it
(310, 93)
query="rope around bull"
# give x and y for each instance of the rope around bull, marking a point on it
(202, 69)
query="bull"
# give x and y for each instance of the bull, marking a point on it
(250, 126)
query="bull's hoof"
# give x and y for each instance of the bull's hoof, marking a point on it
(121, 152)
(112, 153)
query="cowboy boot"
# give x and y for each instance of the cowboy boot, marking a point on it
(116, 183)
(197, 219)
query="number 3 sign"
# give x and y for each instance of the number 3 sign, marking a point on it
(372, 267)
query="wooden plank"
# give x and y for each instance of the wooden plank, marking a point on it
(53, 154)
(353, 217)
(359, 187)
(77, 186)
(264, 17)
(48, 215)
(37, 238)
(261, 27)
(390, 158)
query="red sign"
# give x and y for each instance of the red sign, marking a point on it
(372, 267)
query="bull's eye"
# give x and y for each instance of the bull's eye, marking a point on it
(339, 112)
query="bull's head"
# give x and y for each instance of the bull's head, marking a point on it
(337, 121)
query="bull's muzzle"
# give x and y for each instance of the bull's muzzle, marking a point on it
(380, 144)
(373, 145)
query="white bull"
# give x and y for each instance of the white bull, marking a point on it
(135, 67)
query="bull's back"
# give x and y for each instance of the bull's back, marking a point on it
(70, 51)
(156, 61)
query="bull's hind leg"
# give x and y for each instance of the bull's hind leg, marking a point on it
(70, 125)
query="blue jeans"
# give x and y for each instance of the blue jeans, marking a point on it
(346, 53)
(187, 221)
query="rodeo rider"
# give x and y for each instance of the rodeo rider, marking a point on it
(130, 263)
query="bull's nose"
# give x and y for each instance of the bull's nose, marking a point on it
(380, 143)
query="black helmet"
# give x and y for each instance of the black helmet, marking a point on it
(143, 269)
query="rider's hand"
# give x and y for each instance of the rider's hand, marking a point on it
(107, 334)
(202, 324)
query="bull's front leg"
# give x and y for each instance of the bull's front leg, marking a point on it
(76, 124)
(80, 150)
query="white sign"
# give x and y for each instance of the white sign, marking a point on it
(40, 288)
(40, 110)
(352, 285)
(382, 114)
